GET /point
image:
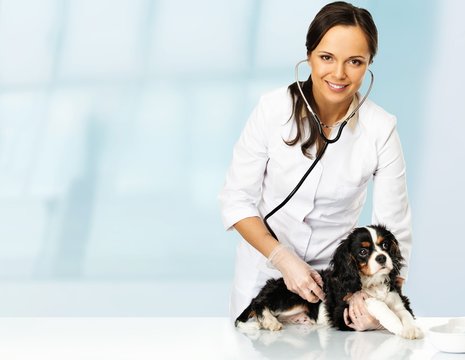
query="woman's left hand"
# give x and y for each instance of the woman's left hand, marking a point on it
(357, 316)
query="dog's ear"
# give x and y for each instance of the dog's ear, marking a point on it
(396, 257)
(344, 267)
(395, 250)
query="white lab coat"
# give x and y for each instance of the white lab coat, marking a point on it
(327, 206)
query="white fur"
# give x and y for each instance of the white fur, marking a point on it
(250, 327)
(373, 233)
(373, 265)
(269, 321)
(388, 308)
(323, 318)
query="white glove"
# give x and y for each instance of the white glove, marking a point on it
(299, 277)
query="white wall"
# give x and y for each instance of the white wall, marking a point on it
(438, 266)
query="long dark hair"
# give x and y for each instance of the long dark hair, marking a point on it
(336, 13)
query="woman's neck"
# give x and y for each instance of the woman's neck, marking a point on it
(330, 113)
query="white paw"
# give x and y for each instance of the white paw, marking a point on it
(250, 325)
(250, 328)
(411, 332)
(269, 321)
(273, 325)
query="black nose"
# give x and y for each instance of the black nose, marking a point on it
(381, 259)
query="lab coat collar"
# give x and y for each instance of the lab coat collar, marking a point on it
(352, 122)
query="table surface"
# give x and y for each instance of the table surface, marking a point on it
(199, 338)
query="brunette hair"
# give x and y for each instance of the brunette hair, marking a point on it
(333, 14)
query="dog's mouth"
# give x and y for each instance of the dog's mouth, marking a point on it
(384, 269)
(380, 268)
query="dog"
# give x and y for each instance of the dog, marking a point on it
(369, 259)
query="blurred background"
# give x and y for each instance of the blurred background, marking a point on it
(117, 122)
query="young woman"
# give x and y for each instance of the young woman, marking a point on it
(280, 142)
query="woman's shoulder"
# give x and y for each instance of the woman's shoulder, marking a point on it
(274, 108)
(376, 119)
(277, 103)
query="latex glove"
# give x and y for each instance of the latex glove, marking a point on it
(298, 276)
(357, 316)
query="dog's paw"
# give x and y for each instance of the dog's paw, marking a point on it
(251, 325)
(411, 332)
(269, 322)
(272, 324)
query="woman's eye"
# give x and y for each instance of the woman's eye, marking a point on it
(363, 252)
(325, 57)
(355, 62)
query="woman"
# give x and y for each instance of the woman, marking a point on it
(281, 141)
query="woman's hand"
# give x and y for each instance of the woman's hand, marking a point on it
(357, 316)
(298, 276)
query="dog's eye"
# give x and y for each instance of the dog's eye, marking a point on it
(363, 252)
(385, 245)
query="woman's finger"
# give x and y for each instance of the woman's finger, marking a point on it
(308, 295)
(317, 278)
(347, 319)
(353, 314)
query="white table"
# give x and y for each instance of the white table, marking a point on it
(198, 338)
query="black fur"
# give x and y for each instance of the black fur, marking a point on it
(341, 279)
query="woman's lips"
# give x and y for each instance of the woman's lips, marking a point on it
(336, 87)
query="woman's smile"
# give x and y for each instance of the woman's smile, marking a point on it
(336, 87)
(338, 64)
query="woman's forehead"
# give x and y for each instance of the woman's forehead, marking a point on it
(345, 41)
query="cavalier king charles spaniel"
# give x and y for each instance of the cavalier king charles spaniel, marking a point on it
(368, 260)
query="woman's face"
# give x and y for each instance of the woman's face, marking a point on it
(339, 63)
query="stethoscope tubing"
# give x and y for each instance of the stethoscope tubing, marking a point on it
(326, 140)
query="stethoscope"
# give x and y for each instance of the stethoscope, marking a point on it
(326, 140)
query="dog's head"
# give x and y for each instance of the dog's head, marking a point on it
(370, 251)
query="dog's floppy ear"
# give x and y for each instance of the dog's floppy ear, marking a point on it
(396, 257)
(345, 268)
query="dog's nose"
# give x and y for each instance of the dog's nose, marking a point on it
(381, 259)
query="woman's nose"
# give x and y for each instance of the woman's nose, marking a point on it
(339, 71)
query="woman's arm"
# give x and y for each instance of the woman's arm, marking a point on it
(298, 276)
(254, 231)
(390, 199)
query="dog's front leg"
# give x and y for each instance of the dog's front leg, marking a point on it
(410, 329)
(385, 316)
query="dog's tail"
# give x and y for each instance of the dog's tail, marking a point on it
(246, 314)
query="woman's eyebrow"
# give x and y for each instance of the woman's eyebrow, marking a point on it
(349, 58)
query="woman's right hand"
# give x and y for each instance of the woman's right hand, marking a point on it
(298, 276)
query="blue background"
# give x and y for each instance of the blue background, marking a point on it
(117, 122)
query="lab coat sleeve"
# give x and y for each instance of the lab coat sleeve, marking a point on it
(242, 189)
(390, 199)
